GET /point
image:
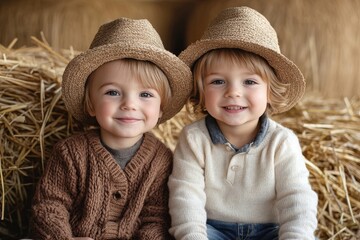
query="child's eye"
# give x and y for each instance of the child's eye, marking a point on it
(250, 82)
(217, 82)
(146, 95)
(112, 93)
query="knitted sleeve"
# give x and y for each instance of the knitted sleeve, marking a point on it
(296, 201)
(53, 197)
(154, 217)
(186, 186)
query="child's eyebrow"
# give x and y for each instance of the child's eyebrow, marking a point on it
(104, 85)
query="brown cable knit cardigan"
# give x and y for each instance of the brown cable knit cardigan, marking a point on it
(85, 193)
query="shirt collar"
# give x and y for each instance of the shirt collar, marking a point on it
(217, 136)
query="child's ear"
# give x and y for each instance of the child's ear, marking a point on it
(268, 101)
(268, 97)
(160, 115)
(90, 109)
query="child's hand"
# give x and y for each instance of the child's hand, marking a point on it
(83, 238)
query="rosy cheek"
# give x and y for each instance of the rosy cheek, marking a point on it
(102, 108)
(106, 109)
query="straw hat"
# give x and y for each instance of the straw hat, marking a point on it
(245, 28)
(125, 38)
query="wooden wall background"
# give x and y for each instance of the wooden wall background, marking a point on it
(322, 37)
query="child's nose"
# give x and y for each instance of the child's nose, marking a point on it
(128, 103)
(234, 91)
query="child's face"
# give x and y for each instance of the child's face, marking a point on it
(123, 108)
(234, 96)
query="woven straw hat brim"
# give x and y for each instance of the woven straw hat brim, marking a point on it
(285, 69)
(80, 67)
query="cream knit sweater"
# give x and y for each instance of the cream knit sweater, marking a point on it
(267, 184)
(85, 193)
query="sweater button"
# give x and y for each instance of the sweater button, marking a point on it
(235, 168)
(117, 195)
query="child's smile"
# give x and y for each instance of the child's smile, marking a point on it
(234, 109)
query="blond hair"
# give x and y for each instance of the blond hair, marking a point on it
(251, 61)
(149, 74)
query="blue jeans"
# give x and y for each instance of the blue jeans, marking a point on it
(218, 230)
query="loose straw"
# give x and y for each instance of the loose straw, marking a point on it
(33, 118)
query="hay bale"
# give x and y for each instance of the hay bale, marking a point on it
(329, 132)
(321, 37)
(33, 118)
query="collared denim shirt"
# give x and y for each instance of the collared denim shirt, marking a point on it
(217, 136)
